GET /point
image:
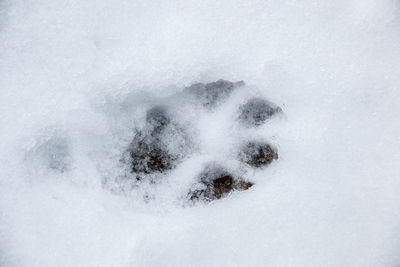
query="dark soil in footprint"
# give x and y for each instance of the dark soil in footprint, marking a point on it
(150, 150)
(210, 94)
(149, 156)
(256, 111)
(215, 183)
(257, 154)
(158, 119)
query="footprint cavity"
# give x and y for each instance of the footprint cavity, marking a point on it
(164, 143)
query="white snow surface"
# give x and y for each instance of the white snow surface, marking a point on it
(76, 76)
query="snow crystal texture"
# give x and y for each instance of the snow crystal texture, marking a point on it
(78, 77)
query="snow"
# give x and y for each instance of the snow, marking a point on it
(76, 78)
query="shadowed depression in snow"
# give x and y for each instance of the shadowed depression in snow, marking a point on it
(199, 133)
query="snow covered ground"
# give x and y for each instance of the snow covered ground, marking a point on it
(75, 77)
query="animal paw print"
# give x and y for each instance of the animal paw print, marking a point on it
(165, 141)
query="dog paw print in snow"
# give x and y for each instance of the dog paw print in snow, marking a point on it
(216, 122)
